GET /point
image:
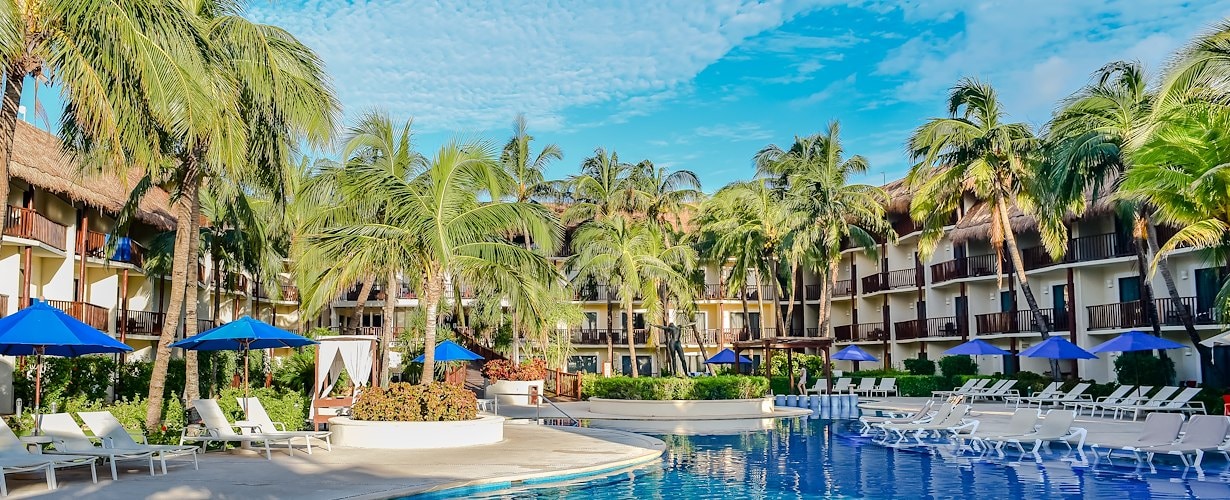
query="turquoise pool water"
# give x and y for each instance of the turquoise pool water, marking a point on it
(814, 458)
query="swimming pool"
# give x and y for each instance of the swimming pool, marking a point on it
(814, 458)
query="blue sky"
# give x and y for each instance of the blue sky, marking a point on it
(703, 85)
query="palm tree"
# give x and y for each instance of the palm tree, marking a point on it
(1180, 173)
(816, 173)
(110, 102)
(973, 151)
(631, 257)
(1090, 145)
(269, 93)
(440, 227)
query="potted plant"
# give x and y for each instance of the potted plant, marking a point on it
(510, 383)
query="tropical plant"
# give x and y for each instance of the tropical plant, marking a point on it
(442, 229)
(630, 256)
(974, 151)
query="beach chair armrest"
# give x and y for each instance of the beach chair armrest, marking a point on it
(969, 426)
(1197, 406)
(1078, 432)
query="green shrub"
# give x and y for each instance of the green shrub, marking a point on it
(668, 388)
(502, 369)
(1212, 399)
(951, 366)
(288, 407)
(886, 372)
(1143, 368)
(404, 402)
(781, 385)
(812, 362)
(920, 366)
(1030, 382)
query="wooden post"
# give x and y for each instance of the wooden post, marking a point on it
(790, 367)
(82, 234)
(828, 369)
(1070, 305)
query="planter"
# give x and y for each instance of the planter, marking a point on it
(741, 408)
(416, 435)
(498, 387)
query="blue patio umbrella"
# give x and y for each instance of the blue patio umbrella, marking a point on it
(242, 335)
(977, 347)
(1135, 341)
(1057, 348)
(727, 357)
(41, 329)
(450, 351)
(854, 353)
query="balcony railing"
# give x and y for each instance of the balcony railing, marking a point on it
(140, 322)
(711, 291)
(909, 329)
(1134, 314)
(843, 287)
(901, 278)
(29, 224)
(90, 314)
(1080, 249)
(126, 250)
(941, 327)
(862, 332)
(4, 305)
(288, 293)
(600, 336)
(1018, 322)
(966, 267)
(811, 292)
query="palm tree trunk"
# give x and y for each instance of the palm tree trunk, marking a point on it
(14, 80)
(1208, 371)
(631, 338)
(830, 284)
(1018, 267)
(759, 299)
(192, 383)
(181, 260)
(432, 292)
(610, 329)
(1142, 266)
(360, 302)
(777, 289)
(794, 273)
(386, 338)
(825, 291)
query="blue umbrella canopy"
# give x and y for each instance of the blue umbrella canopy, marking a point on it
(42, 329)
(1057, 348)
(450, 351)
(727, 357)
(243, 333)
(854, 353)
(977, 347)
(1135, 341)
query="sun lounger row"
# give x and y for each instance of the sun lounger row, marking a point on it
(866, 386)
(259, 429)
(1161, 434)
(981, 388)
(1131, 399)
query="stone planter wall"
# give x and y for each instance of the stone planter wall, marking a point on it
(498, 387)
(416, 435)
(682, 408)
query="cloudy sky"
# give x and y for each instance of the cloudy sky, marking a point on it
(703, 85)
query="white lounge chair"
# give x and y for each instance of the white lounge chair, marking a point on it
(1023, 421)
(1059, 397)
(1204, 433)
(67, 437)
(842, 385)
(15, 457)
(865, 386)
(113, 434)
(1160, 429)
(219, 430)
(1056, 426)
(968, 385)
(953, 422)
(897, 418)
(1047, 392)
(1159, 398)
(256, 414)
(975, 394)
(1182, 404)
(1124, 394)
(885, 387)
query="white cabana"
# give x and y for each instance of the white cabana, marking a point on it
(354, 354)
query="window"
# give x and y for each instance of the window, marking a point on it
(587, 364)
(591, 321)
(644, 365)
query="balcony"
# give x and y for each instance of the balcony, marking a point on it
(90, 314)
(966, 267)
(599, 336)
(1080, 249)
(29, 224)
(1017, 322)
(288, 293)
(862, 332)
(1134, 314)
(811, 292)
(126, 250)
(140, 322)
(941, 327)
(843, 287)
(901, 278)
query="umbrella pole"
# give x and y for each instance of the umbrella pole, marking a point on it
(38, 389)
(245, 380)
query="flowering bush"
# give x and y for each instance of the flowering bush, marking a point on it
(404, 402)
(502, 369)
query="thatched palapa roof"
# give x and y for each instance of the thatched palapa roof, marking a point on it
(39, 160)
(899, 196)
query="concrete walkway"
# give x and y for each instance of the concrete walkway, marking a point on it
(527, 452)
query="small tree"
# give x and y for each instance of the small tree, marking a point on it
(920, 366)
(952, 366)
(1144, 368)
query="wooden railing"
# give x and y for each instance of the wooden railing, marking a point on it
(126, 250)
(843, 287)
(469, 341)
(4, 305)
(712, 291)
(862, 332)
(1134, 314)
(966, 267)
(585, 336)
(901, 278)
(943, 326)
(1018, 322)
(140, 322)
(28, 223)
(455, 375)
(90, 314)
(811, 292)
(563, 384)
(909, 329)
(288, 293)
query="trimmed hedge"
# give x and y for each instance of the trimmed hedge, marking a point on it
(288, 407)
(675, 388)
(402, 402)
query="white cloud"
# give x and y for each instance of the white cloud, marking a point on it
(844, 87)
(745, 131)
(474, 64)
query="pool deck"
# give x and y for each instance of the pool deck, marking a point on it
(528, 453)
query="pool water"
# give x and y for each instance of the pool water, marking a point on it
(815, 458)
